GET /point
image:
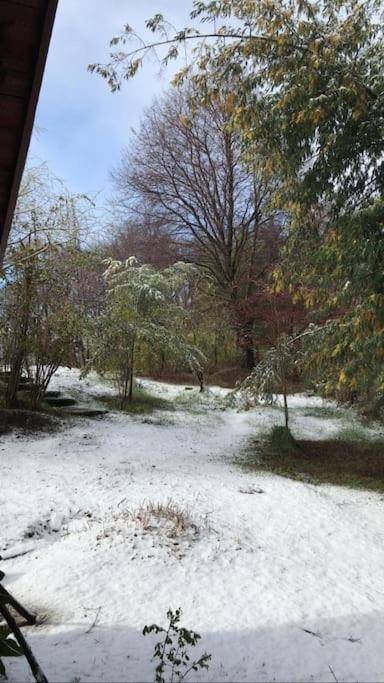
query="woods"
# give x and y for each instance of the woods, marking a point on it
(304, 100)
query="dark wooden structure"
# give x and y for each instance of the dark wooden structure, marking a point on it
(25, 33)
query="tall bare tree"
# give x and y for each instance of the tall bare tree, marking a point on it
(185, 169)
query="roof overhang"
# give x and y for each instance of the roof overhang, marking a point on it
(25, 33)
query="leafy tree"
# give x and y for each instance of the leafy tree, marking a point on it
(41, 300)
(40, 321)
(284, 322)
(309, 85)
(142, 311)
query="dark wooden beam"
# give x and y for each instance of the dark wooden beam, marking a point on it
(25, 33)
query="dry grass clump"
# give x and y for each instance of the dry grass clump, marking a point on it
(169, 516)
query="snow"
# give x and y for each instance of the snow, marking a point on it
(283, 579)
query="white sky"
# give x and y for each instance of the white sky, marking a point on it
(81, 125)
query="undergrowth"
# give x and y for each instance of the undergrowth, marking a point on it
(142, 403)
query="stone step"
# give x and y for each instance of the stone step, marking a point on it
(84, 412)
(60, 402)
(52, 394)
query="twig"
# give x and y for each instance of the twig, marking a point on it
(312, 633)
(92, 626)
(333, 673)
(19, 553)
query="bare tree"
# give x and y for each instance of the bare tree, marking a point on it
(148, 239)
(185, 169)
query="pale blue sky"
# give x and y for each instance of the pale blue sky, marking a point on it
(81, 125)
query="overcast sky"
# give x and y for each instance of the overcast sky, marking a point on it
(81, 126)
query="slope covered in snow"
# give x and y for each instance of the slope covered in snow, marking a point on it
(283, 579)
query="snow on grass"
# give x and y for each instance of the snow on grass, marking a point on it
(282, 579)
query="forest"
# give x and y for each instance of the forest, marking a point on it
(217, 331)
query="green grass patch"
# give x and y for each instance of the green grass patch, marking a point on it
(350, 459)
(324, 412)
(142, 403)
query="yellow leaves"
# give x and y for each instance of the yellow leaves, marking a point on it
(342, 377)
(333, 236)
(318, 115)
(334, 39)
(300, 117)
(184, 121)
(278, 282)
(229, 103)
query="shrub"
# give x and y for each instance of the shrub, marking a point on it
(172, 652)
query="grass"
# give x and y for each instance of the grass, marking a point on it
(142, 403)
(324, 412)
(177, 519)
(351, 459)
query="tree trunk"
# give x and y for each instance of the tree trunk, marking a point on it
(130, 393)
(283, 377)
(245, 341)
(243, 325)
(14, 380)
(249, 358)
(126, 376)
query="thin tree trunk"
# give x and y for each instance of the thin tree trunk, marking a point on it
(126, 382)
(130, 393)
(286, 414)
(14, 380)
(249, 358)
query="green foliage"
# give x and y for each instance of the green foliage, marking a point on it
(270, 375)
(143, 311)
(142, 402)
(342, 276)
(43, 289)
(308, 79)
(172, 652)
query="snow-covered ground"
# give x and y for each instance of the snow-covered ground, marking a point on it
(285, 584)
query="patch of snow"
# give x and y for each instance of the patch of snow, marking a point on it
(282, 586)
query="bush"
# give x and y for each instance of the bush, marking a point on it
(172, 653)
